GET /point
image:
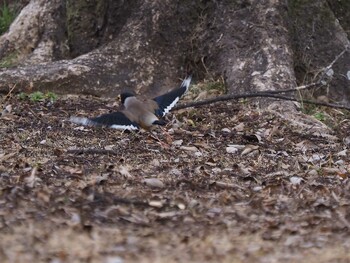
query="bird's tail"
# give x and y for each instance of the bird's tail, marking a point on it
(186, 82)
(83, 121)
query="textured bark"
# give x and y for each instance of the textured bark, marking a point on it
(30, 40)
(102, 47)
(145, 53)
(251, 47)
(317, 37)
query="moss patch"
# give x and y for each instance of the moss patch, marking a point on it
(9, 61)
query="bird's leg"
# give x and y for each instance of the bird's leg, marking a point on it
(159, 141)
(161, 122)
(168, 137)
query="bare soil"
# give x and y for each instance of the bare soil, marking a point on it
(222, 183)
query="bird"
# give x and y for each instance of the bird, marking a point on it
(138, 112)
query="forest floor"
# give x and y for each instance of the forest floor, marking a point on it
(224, 183)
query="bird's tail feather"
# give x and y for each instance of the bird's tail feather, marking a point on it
(83, 121)
(186, 82)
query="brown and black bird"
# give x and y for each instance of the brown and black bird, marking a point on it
(138, 112)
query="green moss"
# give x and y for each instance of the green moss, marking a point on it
(9, 61)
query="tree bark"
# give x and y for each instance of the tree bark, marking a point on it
(102, 47)
(317, 37)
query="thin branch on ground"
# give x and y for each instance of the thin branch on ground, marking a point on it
(111, 198)
(337, 58)
(92, 151)
(318, 103)
(8, 95)
(256, 95)
(224, 185)
(273, 93)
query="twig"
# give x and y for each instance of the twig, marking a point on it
(256, 95)
(92, 151)
(224, 185)
(272, 93)
(9, 93)
(326, 69)
(336, 58)
(330, 105)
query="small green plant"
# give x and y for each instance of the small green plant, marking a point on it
(319, 116)
(37, 96)
(7, 15)
(22, 96)
(51, 96)
(322, 114)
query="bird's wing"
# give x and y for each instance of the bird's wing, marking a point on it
(168, 100)
(115, 120)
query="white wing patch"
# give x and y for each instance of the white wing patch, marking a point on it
(185, 83)
(167, 109)
(124, 127)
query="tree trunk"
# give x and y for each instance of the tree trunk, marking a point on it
(102, 47)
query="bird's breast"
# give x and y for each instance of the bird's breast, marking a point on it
(148, 119)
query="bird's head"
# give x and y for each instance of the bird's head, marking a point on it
(126, 95)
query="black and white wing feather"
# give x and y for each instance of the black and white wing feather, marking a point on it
(115, 120)
(167, 101)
